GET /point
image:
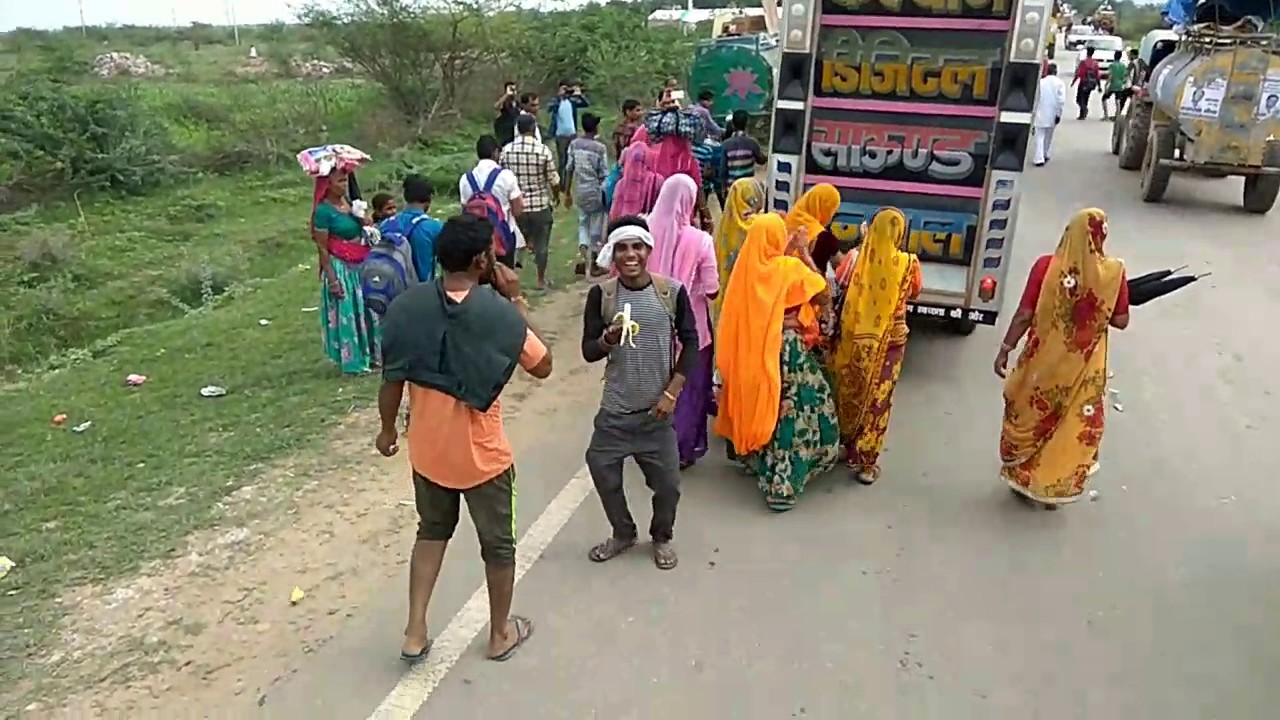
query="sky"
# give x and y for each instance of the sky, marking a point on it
(49, 14)
(52, 14)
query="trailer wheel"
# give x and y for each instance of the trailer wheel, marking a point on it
(1155, 177)
(1117, 133)
(1260, 190)
(1133, 140)
(961, 326)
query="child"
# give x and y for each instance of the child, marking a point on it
(384, 206)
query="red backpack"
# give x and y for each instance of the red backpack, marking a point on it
(483, 203)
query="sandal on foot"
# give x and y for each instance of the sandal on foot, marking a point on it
(524, 630)
(415, 658)
(610, 549)
(664, 556)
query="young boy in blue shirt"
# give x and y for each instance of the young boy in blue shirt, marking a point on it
(422, 233)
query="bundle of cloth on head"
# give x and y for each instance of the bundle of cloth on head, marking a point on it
(604, 258)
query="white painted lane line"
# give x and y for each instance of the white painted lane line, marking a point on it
(419, 682)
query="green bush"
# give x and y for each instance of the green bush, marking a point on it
(69, 137)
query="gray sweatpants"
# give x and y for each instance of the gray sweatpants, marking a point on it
(652, 442)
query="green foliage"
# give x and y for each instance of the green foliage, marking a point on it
(91, 137)
(607, 48)
(465, 49)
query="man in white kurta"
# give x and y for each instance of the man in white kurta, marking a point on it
(1050, 100)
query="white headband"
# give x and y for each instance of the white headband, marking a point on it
(627, 232)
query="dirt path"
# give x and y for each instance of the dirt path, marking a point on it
(214, 628)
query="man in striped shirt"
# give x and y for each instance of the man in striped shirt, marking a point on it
(740, 153)
(642, 379)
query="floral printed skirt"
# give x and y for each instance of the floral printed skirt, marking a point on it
(348, 328)
(806, 441)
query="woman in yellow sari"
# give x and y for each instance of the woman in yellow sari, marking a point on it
(872, 338)
(814, 211)
(775, 404)
(746, 198)
(1054, 398)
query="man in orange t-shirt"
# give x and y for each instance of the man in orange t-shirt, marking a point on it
(457, 445)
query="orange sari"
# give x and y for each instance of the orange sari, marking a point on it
(763, 285)
(1054, 397)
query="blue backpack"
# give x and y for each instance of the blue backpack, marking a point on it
(388, 270)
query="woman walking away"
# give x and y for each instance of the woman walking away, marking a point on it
(872, 337)
(775, 405)
(1054, 398)
(687, 255)
(814, 211)
(350, 330)
(637, 191)
(745, 199)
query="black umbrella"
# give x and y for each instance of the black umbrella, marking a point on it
(1152, 277)
(1150, 290)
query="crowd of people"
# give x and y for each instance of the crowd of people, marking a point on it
(762, 330)
(1117, 82)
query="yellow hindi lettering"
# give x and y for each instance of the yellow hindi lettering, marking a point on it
(839, 77)
(890, 79)
(997, 7)
(977, 77)
(936, 244)
(923, 83)
(903, 80)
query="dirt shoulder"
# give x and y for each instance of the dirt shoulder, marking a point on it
(214, 628)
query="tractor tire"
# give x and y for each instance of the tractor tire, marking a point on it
(1260, 190)
(1117, 132)
(1155, 177)
(1133, 142)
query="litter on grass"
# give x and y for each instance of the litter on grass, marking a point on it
(212, 391)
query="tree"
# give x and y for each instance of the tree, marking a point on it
(419, 52)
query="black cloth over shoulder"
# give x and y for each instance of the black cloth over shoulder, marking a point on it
(467, 350)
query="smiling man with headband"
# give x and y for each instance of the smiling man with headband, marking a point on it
(634, 321)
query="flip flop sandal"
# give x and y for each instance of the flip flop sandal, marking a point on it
(415, 658)
(524, 631)
(609, 549)
(664, 556)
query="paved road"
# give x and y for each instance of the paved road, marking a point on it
(934, 594)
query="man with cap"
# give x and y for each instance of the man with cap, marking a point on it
(633, 322)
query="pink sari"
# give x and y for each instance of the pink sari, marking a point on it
(674, 156)
(688, 256)
(637, 191)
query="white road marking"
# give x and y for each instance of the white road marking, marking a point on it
(418, 683)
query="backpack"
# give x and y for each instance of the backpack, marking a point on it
(1091, 77)
(388, 270)
(483, 203)
(609, 298)
(681, 123)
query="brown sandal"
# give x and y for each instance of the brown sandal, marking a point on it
(664, 556)
(610, 549)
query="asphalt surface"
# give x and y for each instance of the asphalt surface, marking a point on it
(935, 593)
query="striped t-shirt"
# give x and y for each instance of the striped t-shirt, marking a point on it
(741, 155)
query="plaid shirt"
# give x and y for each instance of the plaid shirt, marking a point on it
(535, 167)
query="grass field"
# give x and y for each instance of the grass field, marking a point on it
(91, 506)
(200, 271)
